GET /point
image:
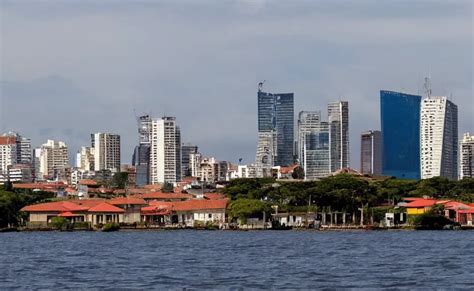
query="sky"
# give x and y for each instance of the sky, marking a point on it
(71, 68)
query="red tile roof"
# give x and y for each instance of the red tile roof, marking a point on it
(7, 140)
(59, 206)
(424, 203)
(106, 207)
(214, 196)
(289, 169)
(87, 202)
(67, 214)
(87, 182)
(189, 205)
(127, 201)
(165, 196)
(42, 186)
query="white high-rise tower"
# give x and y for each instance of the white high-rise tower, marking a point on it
(165, 152)
(438, 138)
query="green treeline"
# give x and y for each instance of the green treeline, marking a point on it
(344, 192)
(11, 201)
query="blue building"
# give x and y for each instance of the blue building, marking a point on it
(276, 115)
(400, 124)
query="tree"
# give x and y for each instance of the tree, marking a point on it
(167, 188)
(298, 173)
(120, 180)
(245, 208)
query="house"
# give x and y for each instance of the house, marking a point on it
(456, 211)
(160, 196)
(131, 206)
(419, 206)
(186, 213)
(93, 211)
(295, 219)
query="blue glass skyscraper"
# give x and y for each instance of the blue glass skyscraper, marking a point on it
(400, 120)
(276, 115)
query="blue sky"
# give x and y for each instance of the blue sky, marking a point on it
(69, 68)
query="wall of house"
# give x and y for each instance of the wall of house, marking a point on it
(132, 213)
(415, 211)
(189, 217)
(41, 216)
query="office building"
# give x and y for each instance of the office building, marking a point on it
(85, 159)
(8, 154)
(165, 152)
(53, 160)
(141, 154)
(106, 151)
(313, 145)
(338, 118)
(276, 120)
(187, 150)
(371, 153)
(466, 154)
(439, 138)
(400, 125)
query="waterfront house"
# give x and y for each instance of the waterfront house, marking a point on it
(186, 213)
(295, 219)
(104, 213)
(131, 206)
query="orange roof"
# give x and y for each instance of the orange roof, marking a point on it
(59, 206)
(127, 201)
(42, 186)
(424, 203)
(7, 140)
(161, 195)
(87, 202)
(412, 198)
(289, 169)
(214, 196)
(200, 204)
(87, 182)
(67, 214)
(105, 207)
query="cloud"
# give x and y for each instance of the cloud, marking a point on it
(82, 67)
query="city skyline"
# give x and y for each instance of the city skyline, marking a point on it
(95, 88)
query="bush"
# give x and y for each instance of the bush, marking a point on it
(111, 226)
(431, 221)
(81, 225)
(60, 223)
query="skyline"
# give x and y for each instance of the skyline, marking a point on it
(91, 64)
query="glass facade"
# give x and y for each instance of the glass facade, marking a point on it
(276, 114)
(400, 124)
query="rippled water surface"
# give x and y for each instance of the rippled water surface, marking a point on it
(226, 259)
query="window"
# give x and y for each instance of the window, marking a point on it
(209, 215)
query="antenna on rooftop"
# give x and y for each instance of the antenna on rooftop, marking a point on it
(260, 86)
(427, 86)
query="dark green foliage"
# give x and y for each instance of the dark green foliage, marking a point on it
(298, 173)
(167, 188)
(244, 208)
(111, 226)
(120, 180)
(12, 201)
(59, 223)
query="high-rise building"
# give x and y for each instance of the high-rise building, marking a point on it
(187, 150)
(8, 153)
(338, 118)
(276, 119)
(371, 153)
(466, 154)
(195, 164)
(439, 138)
(313, 145)
(23, 148)
(85, 159)
(106, 151)
(141, 154)
(53, 160)
(165, 153)
(400, 124)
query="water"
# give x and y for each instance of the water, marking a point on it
(226, 259)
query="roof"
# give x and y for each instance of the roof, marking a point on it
(58, 206)
(289, 169)
(87, 182)
(67, 214)
(214, 196)
(105, 207)
(424, 203)
(7, 140)
(127, 201)
(200, 204)
(42, 186)
(87, 202)
(161, 195)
